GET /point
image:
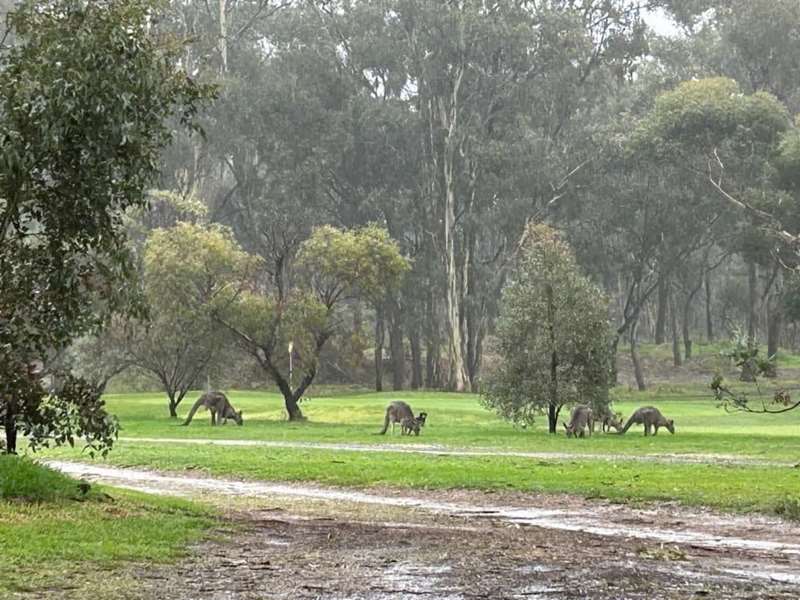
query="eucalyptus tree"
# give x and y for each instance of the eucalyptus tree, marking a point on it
(85, 94)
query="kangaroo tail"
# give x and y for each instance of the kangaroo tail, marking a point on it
(190, 416)
(627, 426)
(385, 423)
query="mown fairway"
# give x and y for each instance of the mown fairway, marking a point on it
(765, 446)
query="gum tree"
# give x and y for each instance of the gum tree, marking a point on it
(85, 94)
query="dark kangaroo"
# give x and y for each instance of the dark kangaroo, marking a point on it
(219, 406)
(650, 417)
(580, 420)
(609, 419)
(397, 412)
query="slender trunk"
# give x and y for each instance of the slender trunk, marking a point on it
(752, 280)
(774, 323)
(396, 348)
(614, 375)
(10, 426)
(173, 406)
(432, 346)
(416, 357)
(661, 312)
(677, 359)
(709, 316)
(636, 359)
(687, 318)
(380, 336)
(553, 400)
(223, 38)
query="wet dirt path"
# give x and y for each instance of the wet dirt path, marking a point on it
(467, 545)
(437, 450)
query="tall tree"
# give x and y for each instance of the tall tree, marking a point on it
(85, 94)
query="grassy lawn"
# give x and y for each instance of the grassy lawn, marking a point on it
(54, 537)
(460, 421)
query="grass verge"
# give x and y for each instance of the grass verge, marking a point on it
(54, 537)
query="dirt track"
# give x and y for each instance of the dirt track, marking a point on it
(327, 543)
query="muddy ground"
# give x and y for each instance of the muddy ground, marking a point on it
(307, 542)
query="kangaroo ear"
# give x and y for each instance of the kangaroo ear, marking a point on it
(564, 424)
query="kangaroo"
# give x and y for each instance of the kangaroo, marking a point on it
(609, 420)
(410, 424)
(650, 417)
(219, 406)
(581, 419)
(397, 412)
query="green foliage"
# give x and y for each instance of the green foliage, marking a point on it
(192, 273)
(709, 115)
(364, 262)
(553, 335)
(744, 354)
(85, 95)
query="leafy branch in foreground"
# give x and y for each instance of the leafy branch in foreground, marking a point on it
(744, 354)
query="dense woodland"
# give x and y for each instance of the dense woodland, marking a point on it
(454, 124)
(434, 135)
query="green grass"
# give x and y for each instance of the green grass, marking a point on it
(459, 421)
(54, 537)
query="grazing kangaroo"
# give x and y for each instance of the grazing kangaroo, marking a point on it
(581, 419)
(399, 411)
(650, 416)
(410, 424)
(219, 406)
(609, 420)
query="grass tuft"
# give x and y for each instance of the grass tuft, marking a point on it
(22, 479)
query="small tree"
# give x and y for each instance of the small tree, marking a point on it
(333, 266)
(191, 273)
(553, 336)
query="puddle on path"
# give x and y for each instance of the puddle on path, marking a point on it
(714, 532)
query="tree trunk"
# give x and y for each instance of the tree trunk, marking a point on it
(687, 318)
(677, 359)
(552, 418)
(432, 346)
(752, 280)
(636, 359)
(774, 323)
(709, 316)
(223, 38)
(397, 350)
(448, 116)
(416, 357)
(380, 336)
(661, 313)
(553, 401)
(10, 426)
(173, 406)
